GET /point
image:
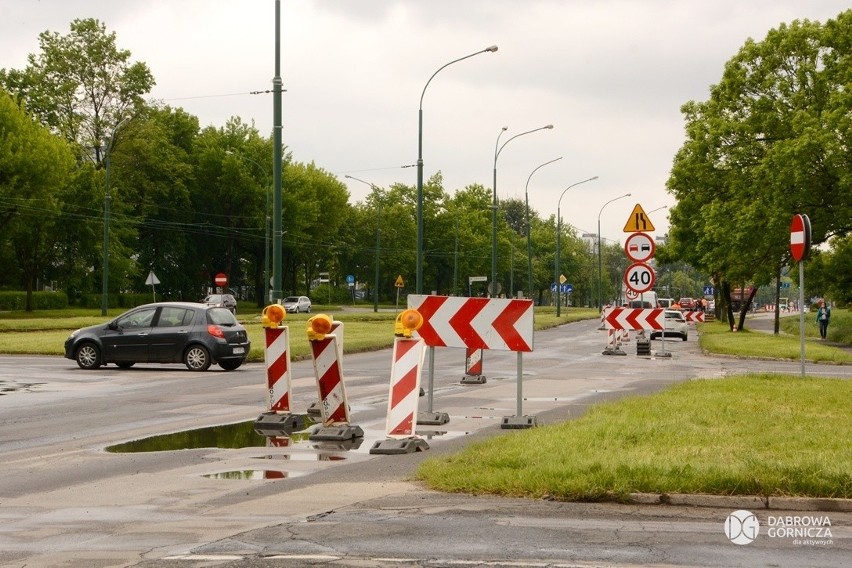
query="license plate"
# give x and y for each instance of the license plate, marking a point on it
(239, 350)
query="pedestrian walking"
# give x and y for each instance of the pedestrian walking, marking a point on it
(823, 316)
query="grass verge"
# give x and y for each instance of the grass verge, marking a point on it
(746, 435)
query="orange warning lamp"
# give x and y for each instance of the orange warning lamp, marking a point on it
(272, 315)
(318, 326)
(407, 322)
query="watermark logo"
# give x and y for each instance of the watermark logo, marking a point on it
(742, 527)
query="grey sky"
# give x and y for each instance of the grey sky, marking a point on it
(610, 76)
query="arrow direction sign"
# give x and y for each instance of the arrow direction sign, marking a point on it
(694, 316)
(634, 318)
(477, 323)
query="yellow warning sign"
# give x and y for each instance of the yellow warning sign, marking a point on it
(638, 222)
(400, 283)
(562, 279)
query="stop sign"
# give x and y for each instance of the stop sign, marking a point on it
(221, 279)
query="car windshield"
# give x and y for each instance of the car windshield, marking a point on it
(221, 316)
(292, 299)
(215, 298)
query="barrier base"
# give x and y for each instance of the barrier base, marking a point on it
(337, 433)
(517, 422)
(434, 418)
(341, 445)
(392, 446)
(662, 354)
(315, 409)
(271, 423)
(473, 380)
(615, 351)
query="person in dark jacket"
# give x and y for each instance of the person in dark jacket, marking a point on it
(823, 316)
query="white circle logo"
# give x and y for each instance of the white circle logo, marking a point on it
(742, 527)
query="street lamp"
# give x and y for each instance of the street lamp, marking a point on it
(265, 223)
(559, 245)
(419, 268)
(600, 262)
(529, 241)
(107, 199)
(378, 240)
(492, 287)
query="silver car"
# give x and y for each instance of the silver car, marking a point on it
(297, 304)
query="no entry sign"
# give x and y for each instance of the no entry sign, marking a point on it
(221, 279)
(800, 237)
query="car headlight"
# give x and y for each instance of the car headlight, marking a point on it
(74, 334)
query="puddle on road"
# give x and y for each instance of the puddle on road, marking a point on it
(13, 387)
(249, 474)
(227, 436)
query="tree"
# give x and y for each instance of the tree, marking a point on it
(771, 141)
(81, 85)
(34, 167)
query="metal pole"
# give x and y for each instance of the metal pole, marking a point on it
(802, 313)
(558, 238)
(600, 263)
(493, 285)
(529, 238)
(277, 233)
(107, 203)
(418, 285)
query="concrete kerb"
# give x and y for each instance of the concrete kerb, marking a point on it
(749, 502)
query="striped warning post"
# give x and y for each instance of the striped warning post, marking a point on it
(329, 375)
(278, 377)
(473, 361)
(404, 393)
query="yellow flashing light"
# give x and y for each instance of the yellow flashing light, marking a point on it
(318, 326)
(272, 315)
(407, 322)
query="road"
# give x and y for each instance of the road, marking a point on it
(65, 500)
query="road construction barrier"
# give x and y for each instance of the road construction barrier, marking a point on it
(328, 368)
(404, 390)
(473, 367)
(276, 355)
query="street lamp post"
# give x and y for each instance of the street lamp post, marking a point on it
(378, 240)
(559, 244)
(600, 262)
(107, 200)
(492, 287)
(419, 269)
(529, 240)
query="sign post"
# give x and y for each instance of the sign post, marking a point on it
(800, 246)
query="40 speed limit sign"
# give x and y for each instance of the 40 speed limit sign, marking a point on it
(639, 277)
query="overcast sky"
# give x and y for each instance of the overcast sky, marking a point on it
(610, 75)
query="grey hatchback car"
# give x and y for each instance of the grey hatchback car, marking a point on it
(194, 334)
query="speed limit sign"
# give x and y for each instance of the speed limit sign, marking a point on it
(639, 277)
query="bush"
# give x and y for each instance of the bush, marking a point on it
(17, 301)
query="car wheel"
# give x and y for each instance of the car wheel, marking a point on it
(684, 338)
(197, 358)
(308, 310)
(124, 365)
(231, 364)
(88, 356)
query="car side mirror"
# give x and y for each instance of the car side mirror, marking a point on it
(113, 326)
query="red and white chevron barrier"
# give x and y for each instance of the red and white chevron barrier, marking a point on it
(480, 323)
(694, 317)
(473, 361)
(278, 376)
(634, 318)
(404, 393)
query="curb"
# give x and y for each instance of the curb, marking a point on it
(744, 502)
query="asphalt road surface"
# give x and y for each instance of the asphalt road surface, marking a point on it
(66, 501)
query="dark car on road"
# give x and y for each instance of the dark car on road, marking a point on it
(222, 301)
(165, 332)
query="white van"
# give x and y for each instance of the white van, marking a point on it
(645, 300)
(665, 302)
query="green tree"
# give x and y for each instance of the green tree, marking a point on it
(771, 141)
(34, 167)
(81, 85)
